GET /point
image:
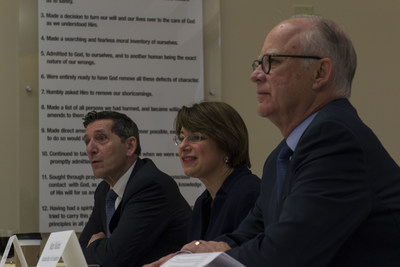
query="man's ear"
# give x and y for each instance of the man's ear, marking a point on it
(131, 145)
(323, 73)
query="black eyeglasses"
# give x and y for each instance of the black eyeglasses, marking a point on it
(266, 61)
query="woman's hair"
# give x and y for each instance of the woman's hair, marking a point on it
(221, 123)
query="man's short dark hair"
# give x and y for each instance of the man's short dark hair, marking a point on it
(123, 126)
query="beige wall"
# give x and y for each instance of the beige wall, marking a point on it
(373, 27)
(9, 189)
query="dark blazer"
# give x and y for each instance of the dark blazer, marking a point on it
(340, 204)
(231, 205)
(151, 221)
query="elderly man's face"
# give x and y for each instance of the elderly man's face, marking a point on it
(286, 92)
(108, 155)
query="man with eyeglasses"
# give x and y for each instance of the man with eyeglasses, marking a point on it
(336, 200)
(139, 214)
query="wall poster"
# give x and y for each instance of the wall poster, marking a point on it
(140, 57)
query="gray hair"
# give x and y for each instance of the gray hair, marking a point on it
(327, 39)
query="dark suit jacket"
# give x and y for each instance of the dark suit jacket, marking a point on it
(151, 221)
(231, 205)
(340, 204)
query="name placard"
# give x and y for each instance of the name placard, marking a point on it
(62, 244)
(13, 240)
(212, 259)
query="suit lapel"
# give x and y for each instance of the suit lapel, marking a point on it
(117, 214)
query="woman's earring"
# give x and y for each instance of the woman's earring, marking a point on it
(226, 159)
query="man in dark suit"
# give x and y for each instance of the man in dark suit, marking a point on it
(339, 203)
(151, 216)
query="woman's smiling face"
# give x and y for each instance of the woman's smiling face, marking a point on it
(200, 159)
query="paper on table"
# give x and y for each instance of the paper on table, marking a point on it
(213, 259)
(62, 244)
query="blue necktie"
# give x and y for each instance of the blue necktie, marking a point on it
(110, 208)
(282, 163)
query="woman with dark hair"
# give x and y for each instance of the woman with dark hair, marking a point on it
(213, 147)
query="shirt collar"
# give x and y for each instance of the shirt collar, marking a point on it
(120, 185)
(295, 135)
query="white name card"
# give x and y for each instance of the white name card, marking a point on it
(13, 240)
(62, 244)
(212, 259)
